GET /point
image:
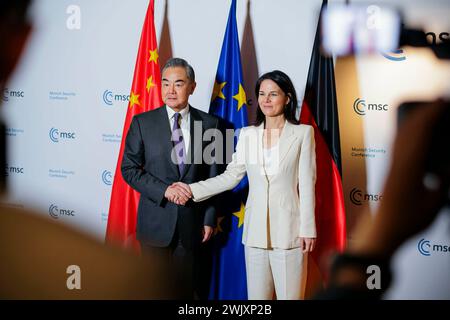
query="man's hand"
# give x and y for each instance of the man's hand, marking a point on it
(185, 187)
(307, 244)
(207, 233)
(177, 194)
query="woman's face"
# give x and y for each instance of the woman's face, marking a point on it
(271, 99)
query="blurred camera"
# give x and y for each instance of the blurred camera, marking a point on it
(438, 158)
(354, 29)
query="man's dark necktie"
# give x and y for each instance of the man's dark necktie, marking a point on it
(178, 143)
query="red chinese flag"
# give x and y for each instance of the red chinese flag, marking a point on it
(145, 95)
(320, 110)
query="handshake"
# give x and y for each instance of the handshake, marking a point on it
(178, 193)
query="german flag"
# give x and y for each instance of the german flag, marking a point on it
(320, 110)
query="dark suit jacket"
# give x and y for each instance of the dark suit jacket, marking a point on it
(147, 167)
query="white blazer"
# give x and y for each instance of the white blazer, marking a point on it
(281, 201)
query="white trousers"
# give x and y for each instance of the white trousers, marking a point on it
(273, 270)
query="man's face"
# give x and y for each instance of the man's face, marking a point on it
(176, 88)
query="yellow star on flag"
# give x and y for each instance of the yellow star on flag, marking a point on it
(217, 91)
(134, 99)
(241, 97)
(240, 214)
(153, 56)
(150, 83)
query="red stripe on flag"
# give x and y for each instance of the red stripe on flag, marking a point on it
(330, 210)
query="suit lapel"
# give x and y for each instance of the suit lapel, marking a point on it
(285, 143)
(287, 139)
(166, 133)
(260, 141)
(195, 148)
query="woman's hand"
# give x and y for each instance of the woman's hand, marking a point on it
(178, 193)
(307, 244)
(184, 187)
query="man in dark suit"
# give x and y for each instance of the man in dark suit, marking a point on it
(164, 146)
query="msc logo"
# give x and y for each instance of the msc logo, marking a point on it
(361, 108)
(12, 94)
(107, 177)
(109, 97)
(55, 213)
(443, 37)
(396, 55)
(425, 248)
(13, 170)
(357, 197)
(55, 135)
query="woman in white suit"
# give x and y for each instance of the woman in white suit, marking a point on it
(278, 155)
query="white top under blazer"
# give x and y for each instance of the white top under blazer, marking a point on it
(281, 203)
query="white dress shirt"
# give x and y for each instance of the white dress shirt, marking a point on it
(271, 160)
(185, 124)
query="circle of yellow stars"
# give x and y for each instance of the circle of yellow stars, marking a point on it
(239, 214)
(241, 97)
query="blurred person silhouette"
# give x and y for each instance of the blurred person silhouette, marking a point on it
(416, 189)
(41, 259)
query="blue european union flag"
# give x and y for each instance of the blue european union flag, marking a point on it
(229, 102)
